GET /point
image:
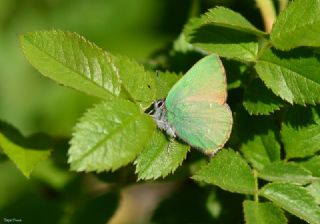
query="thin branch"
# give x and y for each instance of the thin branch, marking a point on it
(268, 13)
(195, 8)
(283, 4)
(256, 193)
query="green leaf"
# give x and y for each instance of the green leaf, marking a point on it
(259, 100)
(287, 173)
(294, 75)
(109, 136)
(71, 60)
(26, 153)
(300, 141)
(165, 80)
(314, 190)
(225, 17)
(181, 45)
(263, 213)
(160, 157)
(258, 144)
(316, 114)
(224, 32)
(229, 171)
(139, 84)
(236, 73)
(312, 165)
(295, 199)
(223, 41)
(298, 116)
(298, 25)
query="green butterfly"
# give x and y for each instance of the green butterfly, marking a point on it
(195, 109)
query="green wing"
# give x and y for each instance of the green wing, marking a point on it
(196, 106)
(205, 81)
(204, 125)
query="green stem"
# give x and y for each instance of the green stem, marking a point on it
(195, 8)
(256, 195)
(265, 46)
(283, 4)
(268, 13)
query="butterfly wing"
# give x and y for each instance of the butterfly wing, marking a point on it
(204, 125)
(205, 81)
(196, 106)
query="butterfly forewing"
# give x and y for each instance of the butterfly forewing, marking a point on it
(205, 81)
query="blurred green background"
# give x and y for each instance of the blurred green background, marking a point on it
(142, 29)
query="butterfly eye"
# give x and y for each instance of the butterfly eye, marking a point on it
(160, 103)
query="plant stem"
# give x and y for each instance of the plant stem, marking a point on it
(264, 47)
(256, 196)
(195, 8)
(283, 4)
(268, 13)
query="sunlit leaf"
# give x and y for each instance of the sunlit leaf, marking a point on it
(298, 25)
(294, 75)
(229, 171)
(165, 80)
(313, 165)
(293, 198)
(73, 61)
(300, 141)
(109, 136)
(263, 213)
(160, 157)
(286, 173)
(314, 190)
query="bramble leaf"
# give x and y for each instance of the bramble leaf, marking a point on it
(229, 171)
(298, 25)
(71, 60)
(165, 80)
(160, 157)
(314, 190)
(294, 75)
(224, 32)
(313, 165)
(109, 136)
(301, 141)
(259, 144)
(286, 173)
(263, 213)
(293, 198)
(225, 17)
(259, 100)
(26, 153)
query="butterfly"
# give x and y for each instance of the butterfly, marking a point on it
(195, 109)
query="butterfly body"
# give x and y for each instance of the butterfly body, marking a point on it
(195, 109)
(160, 116)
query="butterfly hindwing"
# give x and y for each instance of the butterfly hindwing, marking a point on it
(203, 125)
